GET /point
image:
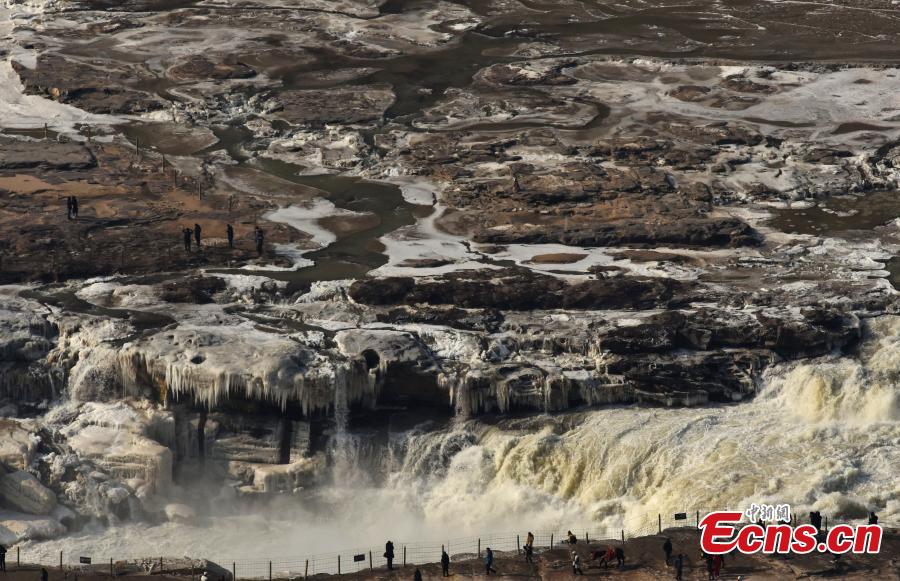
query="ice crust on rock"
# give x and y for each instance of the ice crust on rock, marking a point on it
(208, 364)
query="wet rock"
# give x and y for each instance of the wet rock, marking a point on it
(195, 289)
(519, 289)
(100, 87)
(688, 231)
(17, 444)
(201, 67)
(21, 491)
(342, 104)
(21, 154)
(15, 527)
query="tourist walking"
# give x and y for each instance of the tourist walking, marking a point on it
(197, 235)
(417, 576)
(620, 557)
(445, 563)
(667, 548)
(389, 554)
(229, 232)
(576, 564)
(45, 576)
(679, 567)
(489, 562)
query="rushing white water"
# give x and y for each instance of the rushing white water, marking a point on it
(822, 435)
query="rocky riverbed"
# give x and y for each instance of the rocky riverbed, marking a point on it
(474, 212)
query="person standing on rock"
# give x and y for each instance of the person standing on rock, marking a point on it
(229, 232)
(573, 540)
(417, 576)
(186, 233)
(2, 558)
(667, 548)
(679, 567)
(259, 237)
(389, 554)
(197, 231)
(45, 576)
(489, 562)
(620, 557)
(445, 563)
(873, 518)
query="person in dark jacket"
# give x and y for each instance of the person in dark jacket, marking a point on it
(445, 564)
(667, 548)
(229, 232)
(2, 558)
(197, 234)
(873, 518)
(489, 562)
(74, 207)
(186, 233)
(417, 576)
(389, 554)
(620, 557)
(679, 567)
(45, 576)
(68, 207)
(259, 238)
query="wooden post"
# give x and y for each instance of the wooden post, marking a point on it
(306, 570)
(339, 564)
(551, 540)
(60, 560)
(404, 555)
(826, 523)
(587, 539)
(270, 570)
(698, 519)
(164, 163)
(233, 571)
(659, 516)
(18, 557)
(370, 561)
(518, 545)
(479, 548)
(111, 571)
(623, 536)
(46, 136)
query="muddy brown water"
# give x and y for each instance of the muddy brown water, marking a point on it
(840, 214)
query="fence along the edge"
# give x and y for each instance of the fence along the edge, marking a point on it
(415, 553)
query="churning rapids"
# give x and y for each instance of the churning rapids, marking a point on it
(821, 435)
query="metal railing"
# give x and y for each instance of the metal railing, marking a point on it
(350, 561)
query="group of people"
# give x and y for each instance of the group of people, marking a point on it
(193, 235)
